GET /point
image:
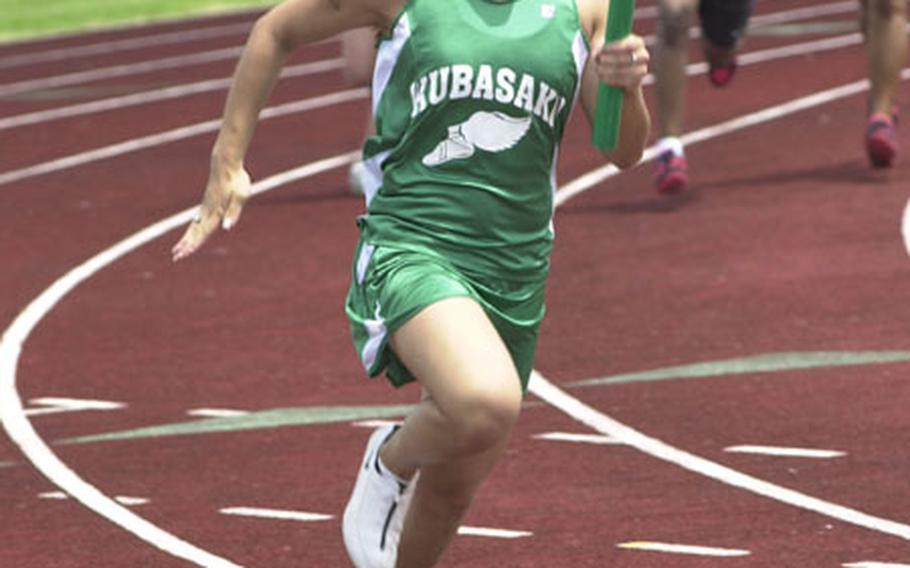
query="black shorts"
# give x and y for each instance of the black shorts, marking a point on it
(724, 21)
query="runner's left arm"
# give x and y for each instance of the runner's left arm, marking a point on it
(623, 64)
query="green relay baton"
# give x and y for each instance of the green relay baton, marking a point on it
(608, 112)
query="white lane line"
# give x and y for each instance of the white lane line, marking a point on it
(307, 517)
(834, 8)
(131, 501)
(905, 227)
(180, 133)
(197, 34)
(594, 177)
(115, 71)
(607, 426)
(682, 549)
(56, 404)
(53, 495)
(375, 423)
(868, 564)
(155, 95)
(602, 423)
(174, 135)
(108, 47)
(216, 412)
(773, 53)
(492, 533)
(279, 514)
(780, 451)
(23, 434)
(237, 29)
(782, 17)
(122, 499)
(577, 438)
(125, 101)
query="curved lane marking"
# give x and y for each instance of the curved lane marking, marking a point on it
(603, 424)
(12, 413)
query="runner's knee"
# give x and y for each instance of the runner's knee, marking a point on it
(673, 27)
(485, 419)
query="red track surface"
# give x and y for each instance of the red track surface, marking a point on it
(787, 242)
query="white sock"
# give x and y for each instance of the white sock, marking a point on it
(671, 143)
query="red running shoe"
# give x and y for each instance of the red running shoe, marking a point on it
(672, 173)
(721, 75)
(881, 139)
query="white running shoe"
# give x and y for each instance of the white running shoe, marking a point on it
(374, 516)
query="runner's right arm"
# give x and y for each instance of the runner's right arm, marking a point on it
(275, 35)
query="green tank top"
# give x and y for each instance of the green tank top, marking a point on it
(470, 99)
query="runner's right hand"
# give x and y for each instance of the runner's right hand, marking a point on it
(226, 193)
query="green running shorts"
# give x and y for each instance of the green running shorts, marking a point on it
(390, 285)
